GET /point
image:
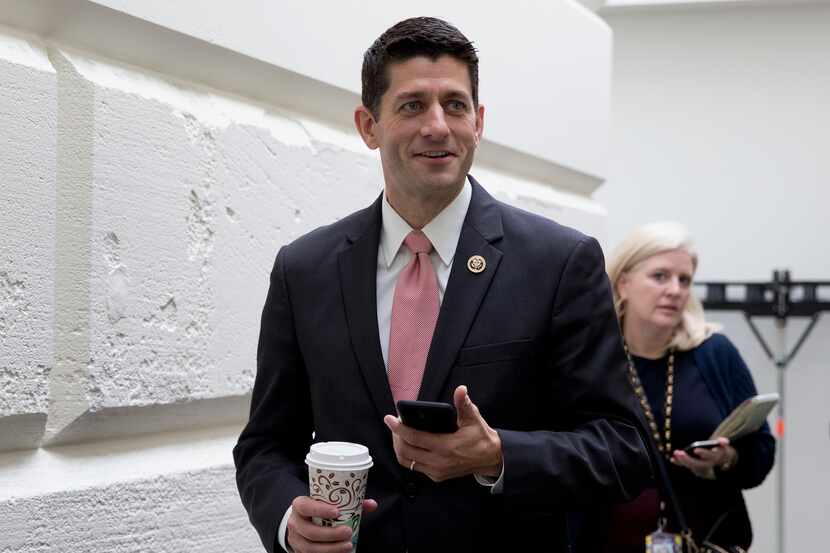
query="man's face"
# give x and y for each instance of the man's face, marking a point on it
(427, 129)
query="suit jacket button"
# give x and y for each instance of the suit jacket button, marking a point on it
(410, 489)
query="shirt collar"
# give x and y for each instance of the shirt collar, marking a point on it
(443, 231)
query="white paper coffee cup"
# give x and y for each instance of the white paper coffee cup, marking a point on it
(337, 473)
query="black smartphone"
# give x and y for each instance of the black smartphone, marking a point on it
(429, 416)
(703, 444)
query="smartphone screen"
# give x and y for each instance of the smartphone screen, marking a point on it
(703, 444)
(429, 416)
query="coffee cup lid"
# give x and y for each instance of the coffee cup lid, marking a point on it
(339, 456)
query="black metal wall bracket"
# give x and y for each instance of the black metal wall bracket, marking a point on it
(781, 298)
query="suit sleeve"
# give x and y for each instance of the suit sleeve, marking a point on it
(590, 447)
(270, 453)
(756, 451)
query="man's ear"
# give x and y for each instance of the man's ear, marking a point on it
(479, 123)
(365, 123)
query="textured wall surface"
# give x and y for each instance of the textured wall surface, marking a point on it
(28, 94)
(188, 511)
(184, 213)
(140, 218)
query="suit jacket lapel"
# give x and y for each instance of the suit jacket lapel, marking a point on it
(358, 280)
(465, 289)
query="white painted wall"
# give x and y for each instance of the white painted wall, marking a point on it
(149, 178)
(556, 75)
(720, 121)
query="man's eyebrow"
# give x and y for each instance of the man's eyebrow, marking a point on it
(406, 94)
(457, 93)
(418, 94)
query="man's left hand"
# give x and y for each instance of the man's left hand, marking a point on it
(474, 448)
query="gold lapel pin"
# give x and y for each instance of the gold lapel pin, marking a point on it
(476, 264)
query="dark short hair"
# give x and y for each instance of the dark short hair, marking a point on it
(418, 36)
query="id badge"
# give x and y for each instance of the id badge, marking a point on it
(663, 542)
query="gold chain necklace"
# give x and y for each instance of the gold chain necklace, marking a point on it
(634, 378)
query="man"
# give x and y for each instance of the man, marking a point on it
(525, 343)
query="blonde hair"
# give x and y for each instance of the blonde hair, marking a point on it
(649, 240)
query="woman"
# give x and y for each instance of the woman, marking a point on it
(691, 379)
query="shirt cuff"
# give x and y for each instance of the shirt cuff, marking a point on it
(496, 485)
(283, 530)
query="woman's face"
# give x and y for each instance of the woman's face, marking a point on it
(656, 290)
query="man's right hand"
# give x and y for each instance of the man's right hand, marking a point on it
(303, 536)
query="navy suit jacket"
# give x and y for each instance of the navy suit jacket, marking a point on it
(535, 339)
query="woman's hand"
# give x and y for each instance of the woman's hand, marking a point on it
(704, 461)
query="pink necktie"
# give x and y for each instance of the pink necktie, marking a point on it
(414, 314)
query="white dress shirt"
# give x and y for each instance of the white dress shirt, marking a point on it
(443, 232)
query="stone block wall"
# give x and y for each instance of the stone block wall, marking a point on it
(28, 113)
